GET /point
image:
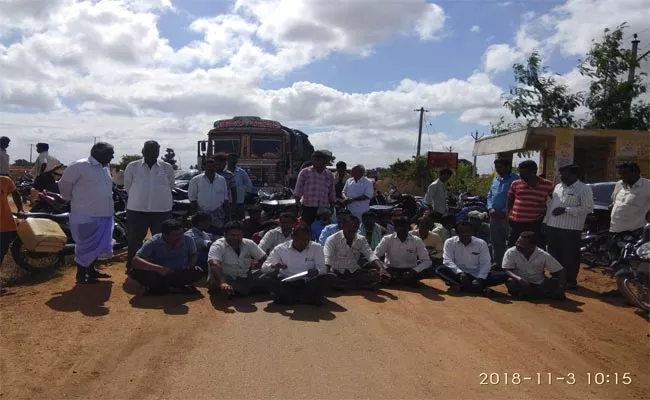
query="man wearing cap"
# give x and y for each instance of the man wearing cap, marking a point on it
(497, 199)
(244, 185)
(571, 202)
(315, 188)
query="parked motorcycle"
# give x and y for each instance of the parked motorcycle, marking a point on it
(633, 274)
(36, 262)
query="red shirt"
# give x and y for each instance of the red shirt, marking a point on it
(315, 188)
(530, 201)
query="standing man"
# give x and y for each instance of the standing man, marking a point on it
(7, 223)
(244, 186)
(44, 171)
(571, 202)
(314, 188)
(436, 197)
(357, 192)
(526, 206)
(88, 185)
(149, 182)
(341, 177)
(4, 157)
(220, 165)
(208, 193)
(497, 200)
(630, 202)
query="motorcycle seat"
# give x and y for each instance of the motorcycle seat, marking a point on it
(54, 217)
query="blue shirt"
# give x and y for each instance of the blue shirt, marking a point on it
(155, 251)
(328, 231)
(497, 197)
(316, 228)
(243, 183)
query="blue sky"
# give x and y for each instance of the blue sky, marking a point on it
(349, 72)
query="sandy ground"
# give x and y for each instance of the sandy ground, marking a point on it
(61, 340)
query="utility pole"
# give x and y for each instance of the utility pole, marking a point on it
(476, 136)
(450, 149)
(633, 63)
(31, 147)
(421, 110)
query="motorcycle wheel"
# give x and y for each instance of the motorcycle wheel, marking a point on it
(26, 259)
(634, 291)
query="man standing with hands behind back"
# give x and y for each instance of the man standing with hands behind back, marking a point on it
(497, 199)
(314, 188)
(149, 182)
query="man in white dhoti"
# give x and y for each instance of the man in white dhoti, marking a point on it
(88, 185)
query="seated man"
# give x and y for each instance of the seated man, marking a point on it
(432, 241)
(466, 262)
(370, 229)
(343, 252)
(299, 255)
(166, 261)
(445, 228)
(233, 260)
(200, 223)
(253, 223)
(279, 235)
(525, 264)
(266, 226)
(331, 229)
(324, 219)
(407, 259)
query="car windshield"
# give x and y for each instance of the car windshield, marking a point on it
(603, 192)
(266, 148)
(185, 175)
(225, 146)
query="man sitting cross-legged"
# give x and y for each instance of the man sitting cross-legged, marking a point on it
(466, 262)
(525, 264)
(234, 264)
(343, 252)
(167, 261)
(407, 259)
(299, 255)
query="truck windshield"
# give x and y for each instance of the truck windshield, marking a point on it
(266, 148)
(226, 146)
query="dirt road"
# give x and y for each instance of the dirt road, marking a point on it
(108, 341)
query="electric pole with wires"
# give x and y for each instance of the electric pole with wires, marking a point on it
(421, 110)
(476, 136)
(633, 63)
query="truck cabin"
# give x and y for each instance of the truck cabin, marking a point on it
(262, 146)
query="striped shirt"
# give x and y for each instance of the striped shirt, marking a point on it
(315, 188)
(529, 201)
(577, 200)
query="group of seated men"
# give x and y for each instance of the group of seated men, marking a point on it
(354, 255)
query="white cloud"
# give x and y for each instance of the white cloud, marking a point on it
(475, 29)
(501, 57)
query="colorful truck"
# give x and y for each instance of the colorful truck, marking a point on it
(270, 152)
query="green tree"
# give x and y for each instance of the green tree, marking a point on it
(610, 94)
(170, 157)
(127, 158)
(539, 99)
(22, 163)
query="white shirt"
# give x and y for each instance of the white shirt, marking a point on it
(4, 162)
(473, 259)
(630, 205)
(531, 269)
(149, 188)
(411, 253)
(209, 196)
(296, 261)
(578, 201)
(45, 158)
(341, 256)
(273, 238)
(233, 265)
(88, 186)
(436, 196)
(354, 188)
(244, 184)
